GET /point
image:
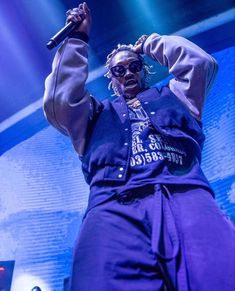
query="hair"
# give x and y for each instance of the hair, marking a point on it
(119, 48)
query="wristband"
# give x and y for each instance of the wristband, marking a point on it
(142, 45)
(79, 35)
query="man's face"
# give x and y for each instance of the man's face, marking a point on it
(127, 73)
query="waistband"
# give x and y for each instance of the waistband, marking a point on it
(127, 196)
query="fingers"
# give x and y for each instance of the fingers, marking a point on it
(141, 39)
(86, 11)
(74, 18)
(74, 15)
(86, 8)
(79, 13)
(138, 46)
(74, 11)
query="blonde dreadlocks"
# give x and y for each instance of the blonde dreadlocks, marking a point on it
(125, 47)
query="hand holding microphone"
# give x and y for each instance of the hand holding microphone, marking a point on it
(78, 21)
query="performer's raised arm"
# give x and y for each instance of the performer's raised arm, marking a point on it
(67, 103)
(194, 70)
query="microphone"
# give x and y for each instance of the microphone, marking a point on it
(63, 33)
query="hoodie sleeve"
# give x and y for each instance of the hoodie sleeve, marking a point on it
(68, 106)
(193, 69)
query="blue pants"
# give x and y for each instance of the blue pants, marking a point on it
(165, 238)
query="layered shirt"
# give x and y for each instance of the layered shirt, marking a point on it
(121, 145)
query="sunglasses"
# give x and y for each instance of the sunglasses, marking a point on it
(120, 70)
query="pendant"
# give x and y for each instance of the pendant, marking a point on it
(134, 104)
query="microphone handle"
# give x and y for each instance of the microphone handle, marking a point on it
(62, 34)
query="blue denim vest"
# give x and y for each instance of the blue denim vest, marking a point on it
(107, 151)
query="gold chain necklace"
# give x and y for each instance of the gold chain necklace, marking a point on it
(134, 103)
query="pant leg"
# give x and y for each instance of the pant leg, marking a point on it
(207, 241)
(113, 252)
(116, 248)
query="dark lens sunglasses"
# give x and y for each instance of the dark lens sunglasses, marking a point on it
(120, 70)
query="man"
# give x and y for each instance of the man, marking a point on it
(151, 221)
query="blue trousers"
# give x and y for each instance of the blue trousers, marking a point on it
(159, 238)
